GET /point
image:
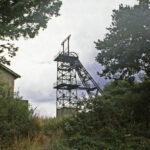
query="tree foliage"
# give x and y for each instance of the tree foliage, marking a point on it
(23, 18)
(121, 110)
(119, 119)
(125, 49)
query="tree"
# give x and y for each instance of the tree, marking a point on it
(125, 49)
(23, 18)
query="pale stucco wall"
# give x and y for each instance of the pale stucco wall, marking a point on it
(65, 111)
(8, 78)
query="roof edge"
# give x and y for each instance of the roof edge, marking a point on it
(10, 71)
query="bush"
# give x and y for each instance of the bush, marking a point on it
(16, 119)
(109, 121)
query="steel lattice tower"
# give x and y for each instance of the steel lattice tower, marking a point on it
(68, 66)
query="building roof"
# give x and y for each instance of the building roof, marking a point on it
(9, 71)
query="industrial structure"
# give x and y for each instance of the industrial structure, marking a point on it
(67, 86)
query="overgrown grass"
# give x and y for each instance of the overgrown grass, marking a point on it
(28, 143)
(17, 120)
(49, 137)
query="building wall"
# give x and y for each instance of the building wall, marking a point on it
(65, 111)
(8, 78)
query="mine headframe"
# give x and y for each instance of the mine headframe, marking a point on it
(68, 66)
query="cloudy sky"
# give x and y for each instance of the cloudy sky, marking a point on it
(86, 21)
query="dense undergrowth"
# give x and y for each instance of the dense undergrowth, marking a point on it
(16, 118)
(117, 120)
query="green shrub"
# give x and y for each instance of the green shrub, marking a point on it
(108, 120)
(16, 119)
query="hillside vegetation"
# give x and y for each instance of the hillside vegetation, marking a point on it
(16, 119)
(117, 120)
